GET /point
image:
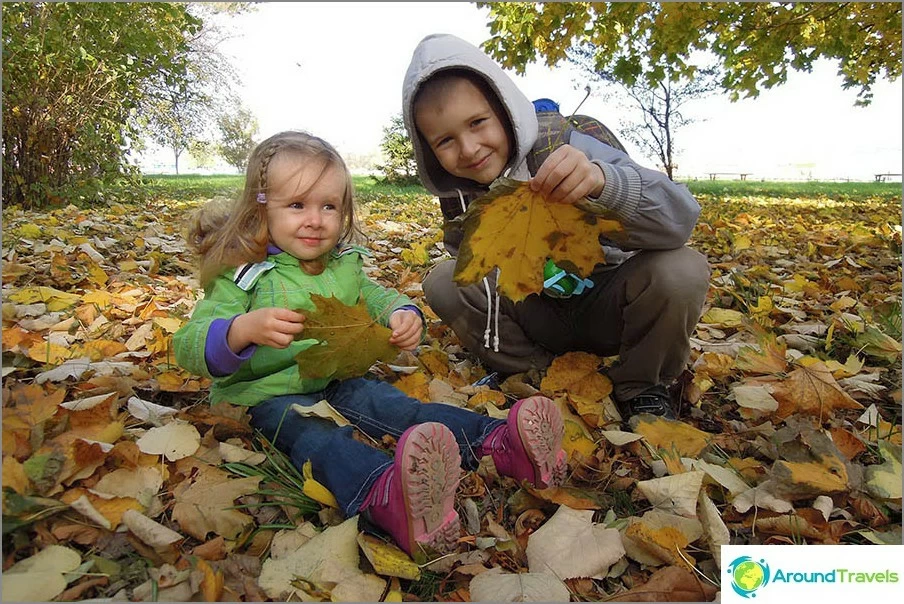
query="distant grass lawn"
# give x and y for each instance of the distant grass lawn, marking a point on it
(192, 187)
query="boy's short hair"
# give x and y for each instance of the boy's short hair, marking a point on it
(438, 84)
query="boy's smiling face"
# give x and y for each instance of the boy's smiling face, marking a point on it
(465, 131)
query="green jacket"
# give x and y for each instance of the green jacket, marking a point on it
(271, 372)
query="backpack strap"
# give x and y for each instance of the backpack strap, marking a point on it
(247, 274)
(598, 130)
(554, 130)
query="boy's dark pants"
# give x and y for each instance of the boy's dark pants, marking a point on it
(644, 311)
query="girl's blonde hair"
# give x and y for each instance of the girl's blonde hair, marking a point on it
(228, 235)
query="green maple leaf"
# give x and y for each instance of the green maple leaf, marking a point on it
(349, 340)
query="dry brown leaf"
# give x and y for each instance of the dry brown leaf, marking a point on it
(813, 391)
(202, 506)
(671, 584)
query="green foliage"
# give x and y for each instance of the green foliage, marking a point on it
(74, 74)
(400, 167)
(192, 187)
(179, 114)
(838, 191)
(238, 127)
(755, 42)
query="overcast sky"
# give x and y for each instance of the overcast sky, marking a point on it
(336, 69)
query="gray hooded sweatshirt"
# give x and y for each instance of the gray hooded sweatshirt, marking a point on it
(655, 212)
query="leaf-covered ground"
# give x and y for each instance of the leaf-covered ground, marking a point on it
(131, 486)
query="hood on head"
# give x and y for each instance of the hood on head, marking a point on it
(438, 52)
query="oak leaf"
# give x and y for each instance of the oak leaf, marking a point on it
(517, 230)
(349, 340)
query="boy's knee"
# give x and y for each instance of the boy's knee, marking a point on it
(681, 274)
(439, 288)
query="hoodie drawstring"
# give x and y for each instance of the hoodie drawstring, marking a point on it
(490, 295)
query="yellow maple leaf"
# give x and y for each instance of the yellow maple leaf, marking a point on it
(671, 436)
(577, 374)
(770, 359)
(349, 341)
(415, 385)
(811, 390)
(517, 230)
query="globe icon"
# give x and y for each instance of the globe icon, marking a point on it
(748, 575)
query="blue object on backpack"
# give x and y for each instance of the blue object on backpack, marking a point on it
(545, 105)
(559, 283)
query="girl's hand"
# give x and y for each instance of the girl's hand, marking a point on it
(274, 327)
(406, 329)
(568, 176)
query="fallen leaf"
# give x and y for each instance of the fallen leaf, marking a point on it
(570, 545)
(497, 586)
(174, 441)
(314, 489)
(150, 532)
(203, 506)
(387, 559)
(671, 584)
(323, 410)
(39, 578)
(676, 494)
(884, 481)
(813, 391)
(330, 558)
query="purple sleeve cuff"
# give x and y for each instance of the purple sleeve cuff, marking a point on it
(220, 359)
(414, 308)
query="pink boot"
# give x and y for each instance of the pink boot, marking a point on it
(529, 445)
(414, 499)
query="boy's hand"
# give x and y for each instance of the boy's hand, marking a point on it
(274, 327)
(568, 176)
(406, 329)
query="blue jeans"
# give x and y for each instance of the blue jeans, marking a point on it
(348, 467)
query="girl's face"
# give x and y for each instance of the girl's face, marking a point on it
(466, 133)
(304, 206)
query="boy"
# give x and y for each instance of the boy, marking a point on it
(469, 125)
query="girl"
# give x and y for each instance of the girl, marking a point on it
(286, 238)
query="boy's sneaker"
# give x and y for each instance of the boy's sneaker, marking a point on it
(529, 445)
(654, 400)
(414, 499)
